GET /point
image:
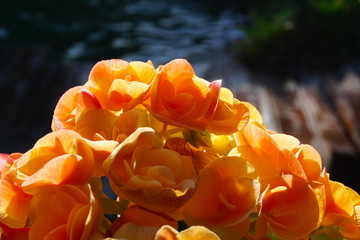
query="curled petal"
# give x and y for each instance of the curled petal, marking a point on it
(139, 223)
(14, 204)
(119, 84)
(180, 98)
(139, 137)
(65, 212)
(68, 168)
(229, 119)
(291, 207)
(233, 194)
(192, 233)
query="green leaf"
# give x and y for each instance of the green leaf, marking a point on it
(197, 139)
(114, 207)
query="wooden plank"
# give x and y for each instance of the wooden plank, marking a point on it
(347, 100)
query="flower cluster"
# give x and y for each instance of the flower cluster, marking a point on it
(185, 159)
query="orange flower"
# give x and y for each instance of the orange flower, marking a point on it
(65, 212)
(158, 179)
(301, 159)
(71, 104)
(102, 124)
(226, 193)
(119, 84)
(290, 207)
(230, 114)
(192, 233)
(274, 154)
(14, 203)
(180, 98)
(255, 145)
(60, 157)
(342, 209)
(139, 223)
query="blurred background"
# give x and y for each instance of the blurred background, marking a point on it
(298, 62)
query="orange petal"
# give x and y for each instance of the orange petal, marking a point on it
(178, 69)
(44, 226)
(285, 141)
(291, 207)
(59, 170)
(99, 121)
(197, 233)
(65, 107)
(122, 92)
(144, 72)
(310, 160)
(141, 136)
(228, 119)
(104, 72)
(14, 204)
(233, 194)
(139, 223)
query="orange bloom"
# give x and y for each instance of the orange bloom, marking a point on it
(14, 203)
(139, 223)
(255, 145)
(230, 114)
(119, 84)
(301, 159)
(158, 179)
(342, 209)
(180, 98)
(274, 154)
(102, 124)
(192, 233)
(65, 212)
(71, 104)
(226, 193)
(290, 207)
(61, 157)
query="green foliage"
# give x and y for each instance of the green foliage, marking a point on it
(197, 139)
(311, 34)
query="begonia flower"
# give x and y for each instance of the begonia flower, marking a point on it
(342, 209)
(65, 212)
(290, 207)
(180, 98)
(102, 124)
(192, 233)
(118, 84)
(226, 194)
(255, 145)
(139, 223)
(14, 202)
(60, 157)
(158, 179)
(71, 105)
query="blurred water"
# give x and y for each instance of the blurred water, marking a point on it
(161, 31)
